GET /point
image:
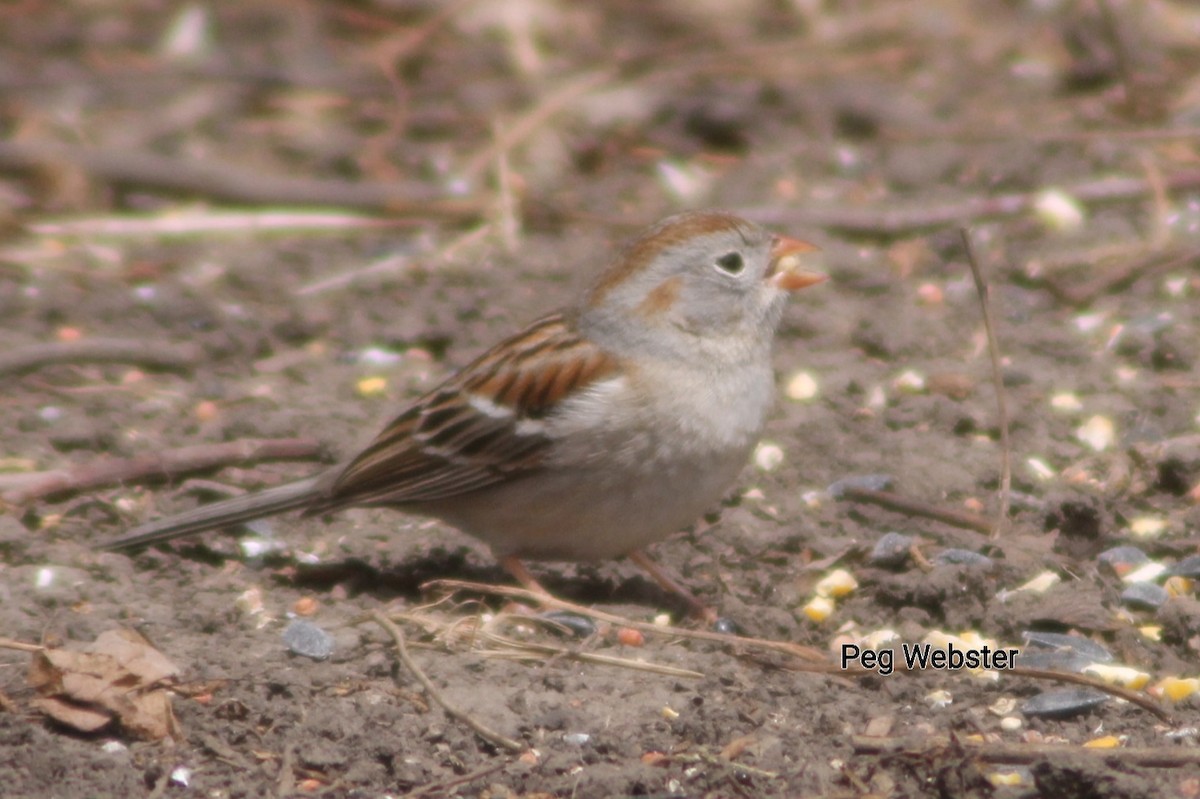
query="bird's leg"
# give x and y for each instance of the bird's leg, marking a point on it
(660, 575)
(517, 569)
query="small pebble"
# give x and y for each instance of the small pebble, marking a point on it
(961, 557)
(1011, 723)
(1188, 567)
(1144, 596)
(309, 640)
(1060, 702)
(577, 739)
(866, 482)
(891, 551)
(1060, 642)
(726, 626)
(1123, 559)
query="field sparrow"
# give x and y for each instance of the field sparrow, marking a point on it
(591, 433)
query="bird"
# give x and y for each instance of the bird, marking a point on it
(595, 431)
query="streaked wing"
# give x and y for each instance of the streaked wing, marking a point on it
(480, 427)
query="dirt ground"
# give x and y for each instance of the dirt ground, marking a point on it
(297, 216)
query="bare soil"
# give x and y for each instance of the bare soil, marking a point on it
(521, 143)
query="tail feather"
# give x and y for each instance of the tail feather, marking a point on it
(291, 496)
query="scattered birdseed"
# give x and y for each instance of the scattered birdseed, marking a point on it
(1058, 210)
(1146, 573)
(1098, 432)
(1125, 676)
(802, 387)
(1145, 527)
(1060, 702)
(1066, 402)
(371, 386)
(819, 609)
(838, 583)
(768, 456)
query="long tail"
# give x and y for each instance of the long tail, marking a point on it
(287, 497)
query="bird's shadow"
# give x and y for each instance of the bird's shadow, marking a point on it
(583, 584)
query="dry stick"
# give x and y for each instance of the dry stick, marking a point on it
(150, 354)
(981, 288)
(796, 650)
(20, 646)
(480, 729)
(108, 471)
(444, 785)
(963, 520)
(1146, 757)
(192, 222)
(897, 219)
(235, 183)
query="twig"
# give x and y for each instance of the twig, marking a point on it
(914, 507)
(150, 354)
(444, 785)
(192, 222)
(981, 288)
(1145, 757)
(796, 650)
(436, 695)
(527, 650)
(108, 471)
(238, 184)
(20, 646)
(897, 219)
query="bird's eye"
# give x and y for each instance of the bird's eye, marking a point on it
(731, 263)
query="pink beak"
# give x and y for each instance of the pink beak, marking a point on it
(785, 272)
